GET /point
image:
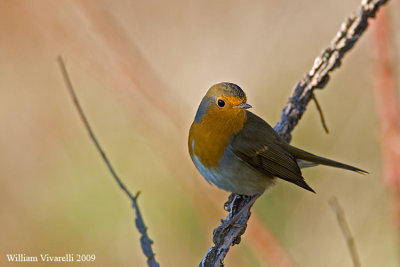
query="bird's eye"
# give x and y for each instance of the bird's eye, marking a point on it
(221, 103)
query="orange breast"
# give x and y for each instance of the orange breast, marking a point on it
(209, 138)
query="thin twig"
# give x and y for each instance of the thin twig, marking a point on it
(317, 78)
(340, 216)
(145, 241)
(321, 113)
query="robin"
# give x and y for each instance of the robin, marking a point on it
(239, 152)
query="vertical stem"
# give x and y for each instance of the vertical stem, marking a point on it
(387, 108)
(341, 218)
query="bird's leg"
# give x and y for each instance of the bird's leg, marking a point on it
(243, 209)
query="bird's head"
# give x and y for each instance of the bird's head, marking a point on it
(222, 99)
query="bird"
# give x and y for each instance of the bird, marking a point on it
(239, 152)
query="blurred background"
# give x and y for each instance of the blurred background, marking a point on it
(140, 69)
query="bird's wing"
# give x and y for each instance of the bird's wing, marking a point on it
(260, 146)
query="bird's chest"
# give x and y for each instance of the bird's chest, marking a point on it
(209, 148)
(208, 140)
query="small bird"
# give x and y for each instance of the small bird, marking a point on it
(239, 152)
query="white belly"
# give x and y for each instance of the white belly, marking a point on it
(235, 176)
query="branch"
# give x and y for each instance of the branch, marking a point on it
(145, 241)
(321, 114)
(352, 28)
(345, 230)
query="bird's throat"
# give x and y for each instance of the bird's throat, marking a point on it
(209, 138)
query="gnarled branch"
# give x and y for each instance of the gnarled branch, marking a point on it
(352, 28)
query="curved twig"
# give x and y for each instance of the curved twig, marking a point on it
(145, 241)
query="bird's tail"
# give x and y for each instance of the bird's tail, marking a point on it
(314, 159)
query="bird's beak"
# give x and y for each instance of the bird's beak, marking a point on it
(243, 106)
